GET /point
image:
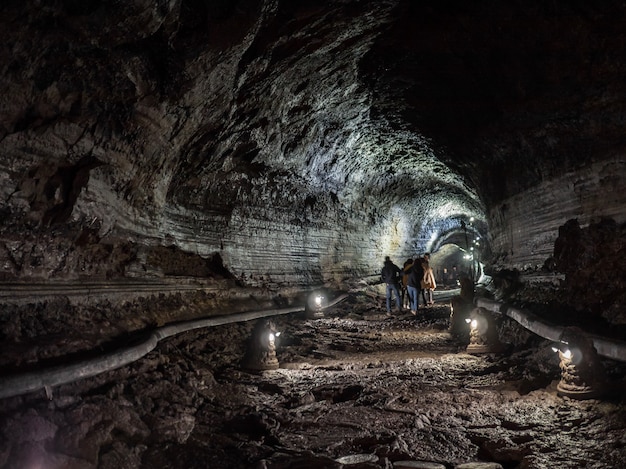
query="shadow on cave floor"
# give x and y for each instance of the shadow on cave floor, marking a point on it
(353, 386)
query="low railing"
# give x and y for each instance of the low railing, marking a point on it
(16, 385)
(606, 347)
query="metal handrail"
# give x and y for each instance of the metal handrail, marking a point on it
(16, 385)
(610, 348)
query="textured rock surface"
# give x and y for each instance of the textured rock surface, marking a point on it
(281, 134)
(164, 160)
(353, 383)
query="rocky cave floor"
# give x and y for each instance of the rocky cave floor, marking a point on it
(354, 389)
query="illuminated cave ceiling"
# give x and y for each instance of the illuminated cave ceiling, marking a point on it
(164, 160)
(303, 141)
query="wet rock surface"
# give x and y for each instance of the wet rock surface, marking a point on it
(356, 388)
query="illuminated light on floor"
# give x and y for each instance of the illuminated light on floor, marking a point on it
(316, 302)
(261, 352)
(483, 334)
(582, 374)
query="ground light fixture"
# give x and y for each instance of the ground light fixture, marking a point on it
(261, 351)
(582, 373)
(483, 336)
(315, 304)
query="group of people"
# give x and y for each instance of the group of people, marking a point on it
(415, 279)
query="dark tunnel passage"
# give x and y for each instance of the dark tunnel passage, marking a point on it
(169, 164)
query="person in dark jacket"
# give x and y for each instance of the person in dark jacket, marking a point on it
(414, 284)
(391, 275)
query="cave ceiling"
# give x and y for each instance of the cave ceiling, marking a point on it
(324, 134)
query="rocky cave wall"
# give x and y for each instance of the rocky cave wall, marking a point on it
(244, 131)
(525, 99)
(297, 143)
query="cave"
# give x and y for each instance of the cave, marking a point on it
(182, 177)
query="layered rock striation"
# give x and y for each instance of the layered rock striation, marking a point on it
(288, 144)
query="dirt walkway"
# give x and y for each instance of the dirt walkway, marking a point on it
(356, 385)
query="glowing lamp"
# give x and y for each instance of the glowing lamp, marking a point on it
(483, 337)
(315, 305)
(582, 374)
(261, 352)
